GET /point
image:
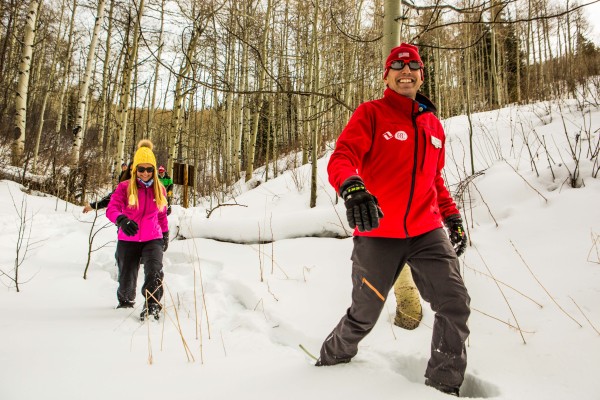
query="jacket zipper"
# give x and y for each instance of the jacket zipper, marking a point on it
(144, 211)
(414, 171)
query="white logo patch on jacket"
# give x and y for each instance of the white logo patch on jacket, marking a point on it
(401, 135)
(437, 143)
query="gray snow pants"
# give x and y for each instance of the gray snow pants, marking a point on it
(129, 256)
(376, 264)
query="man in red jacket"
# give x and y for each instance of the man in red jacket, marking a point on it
(388, 161)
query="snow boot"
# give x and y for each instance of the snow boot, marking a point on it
(126, 304)
(452, 391)
(151, 310)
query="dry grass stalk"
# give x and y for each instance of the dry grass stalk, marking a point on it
(503, 295)
(391, 322)
(150, 358)
(585, 316)
(260, 263)
(525, 180)
(188, 352)
(346, 231)
(270, 292)
(202, 289)
(272, 244)
(274, 262)
(486, 205)
(223, 343)
(545, 290)
(595, 242)
(196, 306)
(503, 283)
(498, 319)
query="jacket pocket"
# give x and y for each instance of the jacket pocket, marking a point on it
(432, 149)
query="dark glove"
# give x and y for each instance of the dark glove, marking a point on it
(128, 226)
(165, 241)
(458, 237)
(169, 210)
(362, 209)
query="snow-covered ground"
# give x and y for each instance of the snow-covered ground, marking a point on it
(236, 313)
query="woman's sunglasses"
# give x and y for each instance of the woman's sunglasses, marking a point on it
(399, 64)
(144, 169)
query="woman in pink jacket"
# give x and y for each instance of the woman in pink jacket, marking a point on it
(139, 208)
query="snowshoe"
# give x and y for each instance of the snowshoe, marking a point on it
(151, 310)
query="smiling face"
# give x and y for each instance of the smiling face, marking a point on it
(404, 81)
(146, 175)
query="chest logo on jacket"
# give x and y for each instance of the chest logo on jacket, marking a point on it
(400, 135)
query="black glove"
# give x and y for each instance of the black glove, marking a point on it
(129, 227)
(362, 209)
(165, 241)
(458, 237)
(169, 210)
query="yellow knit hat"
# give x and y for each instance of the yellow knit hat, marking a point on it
(144, 154)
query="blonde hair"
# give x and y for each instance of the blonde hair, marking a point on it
(145, 155)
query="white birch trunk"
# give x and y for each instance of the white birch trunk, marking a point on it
(151, 110)
(392, 25)
(66, 73)
(130, 59)
(261, 84)
(23, 83)
(104, 100)
(78, 129)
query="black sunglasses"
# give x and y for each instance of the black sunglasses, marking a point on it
(144, 169)
(399, 64)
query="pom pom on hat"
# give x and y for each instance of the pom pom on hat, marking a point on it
(144, 154)
(406, 52)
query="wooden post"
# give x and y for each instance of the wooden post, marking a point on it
(185, 186)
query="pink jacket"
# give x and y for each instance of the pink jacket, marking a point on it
(397, 146)
(152, 222)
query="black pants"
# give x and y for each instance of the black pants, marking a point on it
(129, 256)
(377, 262)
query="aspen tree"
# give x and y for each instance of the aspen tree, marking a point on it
(78, 129)
(125, 95)
(49, 82)
(262, 58)
(151, 110)
(66, 72)
(104, 98)
(495, 81)
(179, 95)
(23, 83)
(313, 82)
(7, 54)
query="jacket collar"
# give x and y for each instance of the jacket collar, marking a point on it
(402, 103)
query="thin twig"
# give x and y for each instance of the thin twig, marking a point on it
(498, 319)
(545, 290)
(223, 343)
(188, 352)
(503, 283)
(525, 180)
(486, 205)
(585, 316)
(502, 293)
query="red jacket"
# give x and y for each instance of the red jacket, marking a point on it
(396, 145)
(152, 222)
